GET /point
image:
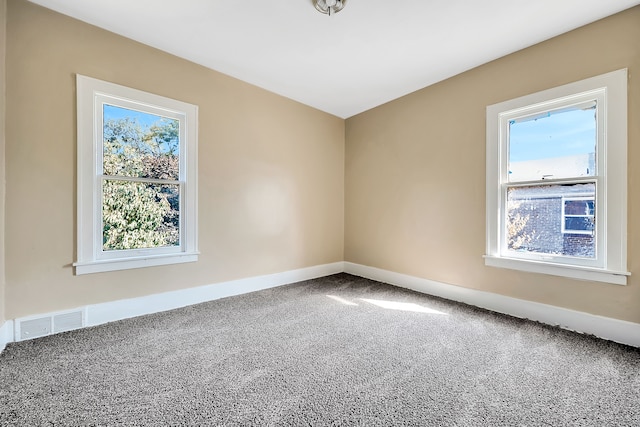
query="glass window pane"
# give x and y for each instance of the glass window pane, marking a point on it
(535, 221)
(556, 144)
(578, 223)
(139, 144)
(579, 207)
(138, 215)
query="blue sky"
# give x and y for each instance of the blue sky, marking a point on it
(144, 119)
(560, 134)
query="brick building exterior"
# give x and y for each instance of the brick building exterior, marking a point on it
(554, 219)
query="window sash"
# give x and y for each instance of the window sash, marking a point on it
(102, 98)
(562, 259)
(108, 99)
(593, 98)
(102, 254)
(541, 112)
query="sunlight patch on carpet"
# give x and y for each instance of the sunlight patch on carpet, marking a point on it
(403, 306)
(341, 300)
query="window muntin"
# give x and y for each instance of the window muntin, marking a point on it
(137, 170)
(601, 104)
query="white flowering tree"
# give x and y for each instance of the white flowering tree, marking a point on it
(139, 210)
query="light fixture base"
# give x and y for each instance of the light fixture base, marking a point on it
(329, 7)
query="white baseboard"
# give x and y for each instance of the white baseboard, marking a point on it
(603, 327)
(98, 314)
(6, 334)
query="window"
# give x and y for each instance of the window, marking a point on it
(556, 181)
(578, 216)
(136, 178)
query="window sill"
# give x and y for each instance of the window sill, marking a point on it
(574, 272)
(130, 263)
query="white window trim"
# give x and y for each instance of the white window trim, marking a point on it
(611, 187)
(91, 94)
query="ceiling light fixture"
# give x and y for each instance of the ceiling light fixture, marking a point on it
(329, 6)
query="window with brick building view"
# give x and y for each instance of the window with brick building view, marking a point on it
(556, 218)
(557, 181)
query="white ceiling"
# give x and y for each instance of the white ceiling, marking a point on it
(370, 53)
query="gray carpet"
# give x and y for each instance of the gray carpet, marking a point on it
(295, 356)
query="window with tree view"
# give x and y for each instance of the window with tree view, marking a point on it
(136, 178)
(140, 180)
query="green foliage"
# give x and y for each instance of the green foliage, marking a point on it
(140, 214)
(136, 215)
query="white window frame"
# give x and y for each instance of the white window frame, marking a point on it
(92, 94)
(610, 264)
(564, 214)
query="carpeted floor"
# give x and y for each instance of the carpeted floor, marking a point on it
(339, 350)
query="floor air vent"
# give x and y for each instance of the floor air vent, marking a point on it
(67, 321)
(35, 327)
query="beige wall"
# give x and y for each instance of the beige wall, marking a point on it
(271, 171)
(3, 20)
(415, 171)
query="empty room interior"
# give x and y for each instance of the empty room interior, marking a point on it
(354, 224)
